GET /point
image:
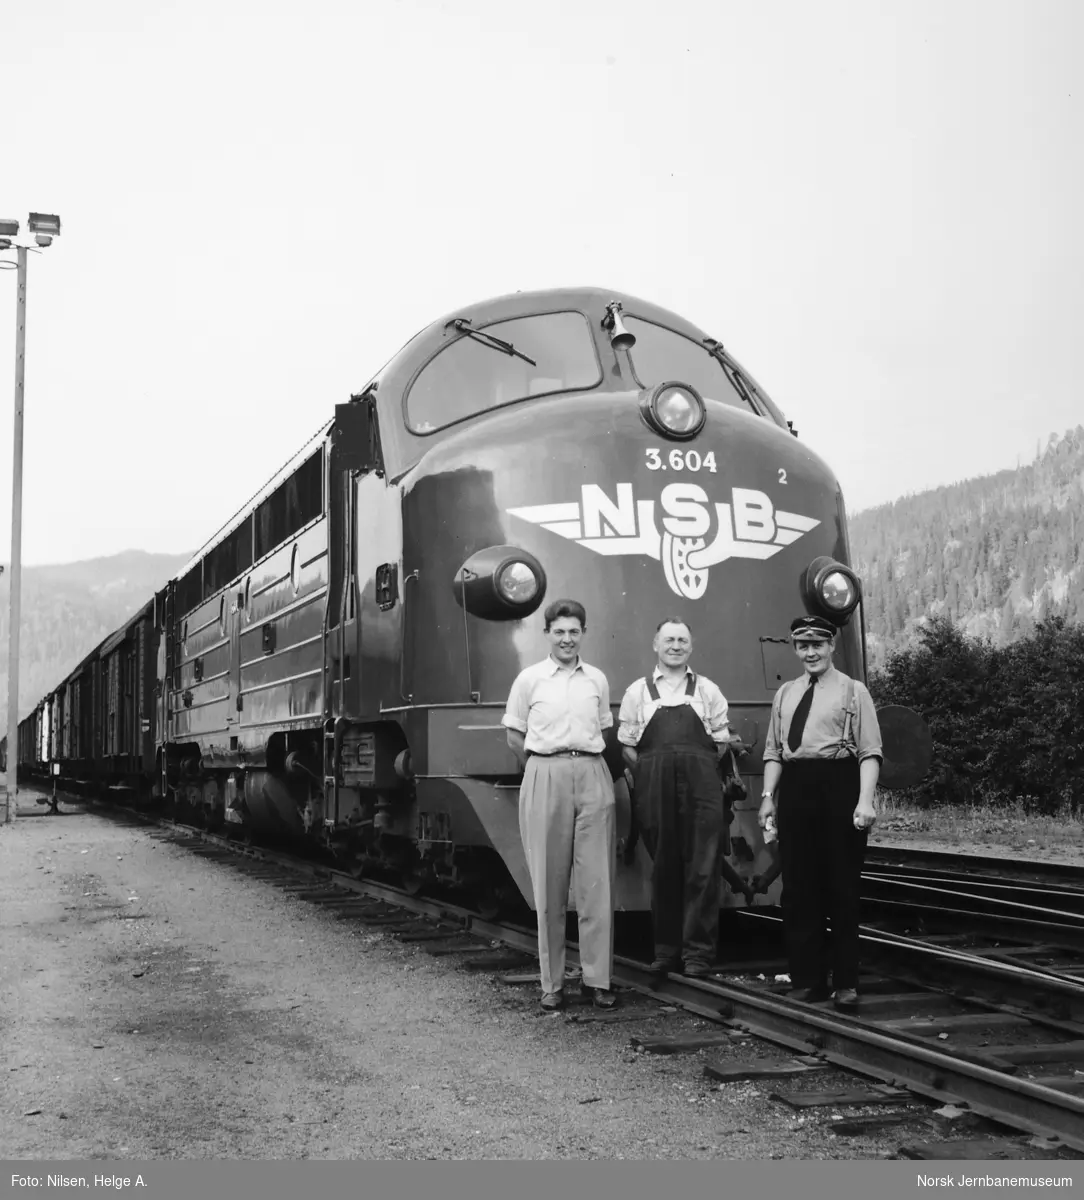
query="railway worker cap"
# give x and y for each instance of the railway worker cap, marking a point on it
(812, 629)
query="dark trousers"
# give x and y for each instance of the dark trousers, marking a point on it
(679, 801)
(822, 855)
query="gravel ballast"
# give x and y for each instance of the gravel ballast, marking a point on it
(159, 1005)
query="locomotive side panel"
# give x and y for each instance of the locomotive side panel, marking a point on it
(281, 639)
(201, 688)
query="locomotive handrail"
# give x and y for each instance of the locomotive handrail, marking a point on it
(444, 704)
(407, 696)
(473, 696)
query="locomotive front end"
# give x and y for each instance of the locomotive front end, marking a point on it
(581, 445)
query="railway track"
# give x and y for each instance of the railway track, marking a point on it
(978, 867)
(1002, 1038)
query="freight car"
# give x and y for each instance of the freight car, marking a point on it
(332, 666)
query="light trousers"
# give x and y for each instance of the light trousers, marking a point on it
(567, 820)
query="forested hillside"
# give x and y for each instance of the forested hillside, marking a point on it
(995, 555)
(68, 609)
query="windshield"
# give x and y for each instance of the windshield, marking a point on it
(662, 356)
(550, 353)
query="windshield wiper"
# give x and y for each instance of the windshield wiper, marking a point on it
(487, 339)
(715, 349)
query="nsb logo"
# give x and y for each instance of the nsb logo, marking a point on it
(748, 527)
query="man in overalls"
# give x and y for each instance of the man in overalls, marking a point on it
(673, 730)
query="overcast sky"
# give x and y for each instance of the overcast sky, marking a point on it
(876, 206)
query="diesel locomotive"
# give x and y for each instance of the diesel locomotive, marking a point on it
(333, 665)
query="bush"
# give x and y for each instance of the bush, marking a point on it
(1007, 722)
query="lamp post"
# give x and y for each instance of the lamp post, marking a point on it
(44, 227)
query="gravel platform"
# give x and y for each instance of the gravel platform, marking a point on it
(155, 1005)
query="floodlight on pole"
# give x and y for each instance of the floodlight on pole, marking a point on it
(47, 223)
(45, 226)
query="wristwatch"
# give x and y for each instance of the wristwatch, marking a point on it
(767, 795)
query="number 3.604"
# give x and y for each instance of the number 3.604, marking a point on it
(680, 460)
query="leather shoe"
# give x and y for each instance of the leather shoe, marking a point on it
(811, 995)
(846, 999)
(697, 970)
(662, 967)
(552, 1001)
(603, 998)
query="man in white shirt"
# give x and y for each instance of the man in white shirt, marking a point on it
(673, 730)
(556, 712)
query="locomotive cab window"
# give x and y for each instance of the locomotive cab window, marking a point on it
(660, 354)
(493, 365)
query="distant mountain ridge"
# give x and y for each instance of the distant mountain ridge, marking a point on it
(68, 608)
(994, 554)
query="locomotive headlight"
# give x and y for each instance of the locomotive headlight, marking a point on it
(674, 409)
(831, 589)
(838, 591)
(500, 583)
(517, 583)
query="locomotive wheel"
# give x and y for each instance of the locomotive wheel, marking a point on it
(414, 883)
(489, 903)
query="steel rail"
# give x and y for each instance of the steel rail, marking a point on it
(992, 903)
(1047, 997)
(992, 866)
(1054, 933)
(1049, 895)
(896, 1058)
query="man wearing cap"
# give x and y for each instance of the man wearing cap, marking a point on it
(673, 730)
(823, 753)
(556, 712)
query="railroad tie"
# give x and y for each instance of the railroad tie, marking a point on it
(982, 1150)
(976, 1020)
(594, 1017)
(1055, 1052)
(445, 950)
(906, 1001)
(885, 1095)
(487, 962)
(782, 1069)
(864, 1126)
(680, 1043)
(430, 935)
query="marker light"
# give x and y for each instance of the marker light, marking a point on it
(676, 410)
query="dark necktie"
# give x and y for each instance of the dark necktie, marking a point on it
(797, 722)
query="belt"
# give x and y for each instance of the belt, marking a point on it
(564, 754)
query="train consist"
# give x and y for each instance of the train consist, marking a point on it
(333, 665)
